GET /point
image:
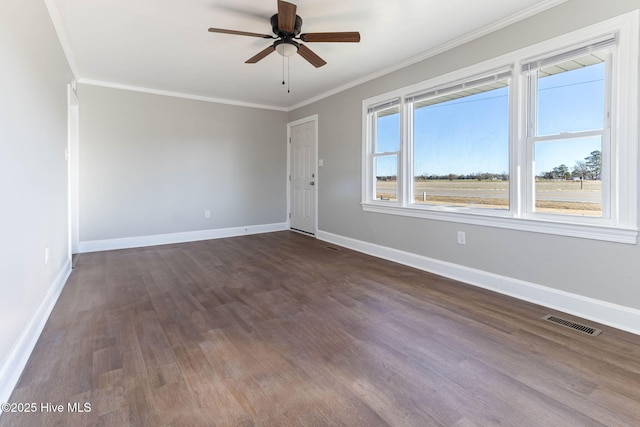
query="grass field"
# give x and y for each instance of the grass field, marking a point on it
(553, 196)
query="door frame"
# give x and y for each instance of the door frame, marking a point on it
(314, 119)
(73, 170)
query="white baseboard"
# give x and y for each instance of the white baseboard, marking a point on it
(188, 236)
(19, 355)
(614, 315)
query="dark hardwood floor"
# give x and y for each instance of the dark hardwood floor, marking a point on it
(283, 330)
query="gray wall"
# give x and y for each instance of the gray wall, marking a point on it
(605, 271)
(151, 165)
(33, 171)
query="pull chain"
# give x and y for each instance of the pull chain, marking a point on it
(288, 79)
(288, 76)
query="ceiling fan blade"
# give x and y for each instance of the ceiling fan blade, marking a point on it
(286, 16)
(260, 55)
(310, 56)
(349, 37)
(240, 33)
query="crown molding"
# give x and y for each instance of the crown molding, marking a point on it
(178, 94)
(512, 19)
(66, 46)
(62, 35)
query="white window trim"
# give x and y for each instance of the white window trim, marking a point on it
(531, 138)
(624, 223)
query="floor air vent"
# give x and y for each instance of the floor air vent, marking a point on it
(332, 248)
(572, 325)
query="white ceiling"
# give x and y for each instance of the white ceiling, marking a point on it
(164, 45)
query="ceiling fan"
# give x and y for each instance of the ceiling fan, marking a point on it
(286, 26)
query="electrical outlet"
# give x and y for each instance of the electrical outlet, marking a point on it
(207, 214)
(462, 238)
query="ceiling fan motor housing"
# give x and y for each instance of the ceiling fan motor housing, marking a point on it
(276, 30)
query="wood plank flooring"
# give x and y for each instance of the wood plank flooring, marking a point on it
(281, 329)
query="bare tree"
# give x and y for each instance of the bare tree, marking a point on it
(581, 170)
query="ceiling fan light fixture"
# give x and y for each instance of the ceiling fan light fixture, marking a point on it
(287, 26)
(286, 47)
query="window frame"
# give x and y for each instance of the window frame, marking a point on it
(471, 82)
(372, 116)
(532, 137)
(622, 226)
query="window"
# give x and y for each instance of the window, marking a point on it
(568, 130)
(543, 139)
(460, 144)
(385, 135)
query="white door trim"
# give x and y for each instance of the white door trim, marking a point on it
(73, 171)
(314, 119)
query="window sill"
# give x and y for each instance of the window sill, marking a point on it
(503, 220)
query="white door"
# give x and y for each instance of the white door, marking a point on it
(302, 155)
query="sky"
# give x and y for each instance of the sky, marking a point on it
(470, 135)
